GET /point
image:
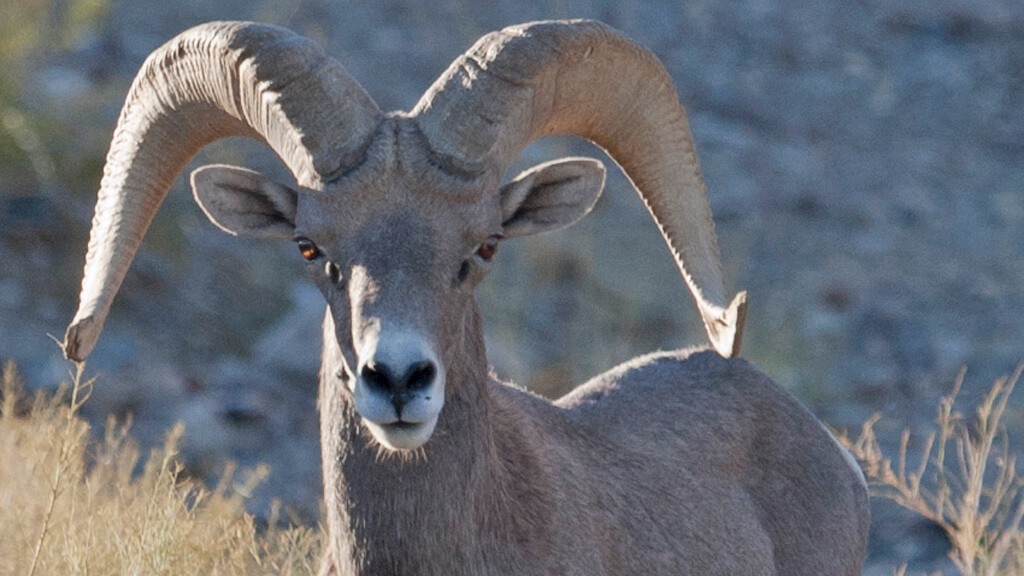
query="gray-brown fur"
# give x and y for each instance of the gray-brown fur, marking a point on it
(675, 463)
(671, 464)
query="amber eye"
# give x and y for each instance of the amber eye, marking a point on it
(308, 249)
(488, 249)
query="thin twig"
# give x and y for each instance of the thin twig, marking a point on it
(63, 461)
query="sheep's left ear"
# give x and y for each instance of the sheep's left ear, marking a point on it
(245, 203)
(550, 196)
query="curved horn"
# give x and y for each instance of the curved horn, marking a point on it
(210, 82)
(583, 78)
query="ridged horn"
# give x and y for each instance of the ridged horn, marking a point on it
(583, 78)
(214, 81)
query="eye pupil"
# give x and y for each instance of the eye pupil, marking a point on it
(488, 249)
(308, 249)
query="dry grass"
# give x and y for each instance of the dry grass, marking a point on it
(965, 480)
(69, 505)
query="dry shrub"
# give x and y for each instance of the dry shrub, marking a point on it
(69, 505)
(965, 481)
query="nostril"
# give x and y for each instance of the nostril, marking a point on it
(420, 375)
(378, 377)
(382, 379)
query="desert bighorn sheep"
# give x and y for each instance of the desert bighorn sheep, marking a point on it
(675, 463)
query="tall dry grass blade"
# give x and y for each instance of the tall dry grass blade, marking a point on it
(63, 458)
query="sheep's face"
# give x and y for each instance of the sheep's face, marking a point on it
(396, 247)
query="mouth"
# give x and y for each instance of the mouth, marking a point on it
(403, 425)
(402, 434)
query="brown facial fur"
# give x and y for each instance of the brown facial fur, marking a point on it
(402, 229)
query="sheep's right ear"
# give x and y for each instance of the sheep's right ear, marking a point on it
(245, 203)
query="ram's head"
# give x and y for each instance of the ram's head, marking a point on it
(398, 215)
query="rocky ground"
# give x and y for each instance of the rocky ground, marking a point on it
(864, 162)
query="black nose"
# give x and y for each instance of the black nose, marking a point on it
(397, 385)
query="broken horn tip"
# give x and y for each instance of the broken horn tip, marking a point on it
(727, 337)
(70, 346)
(78, 340)
(737, 310)
(738, 315)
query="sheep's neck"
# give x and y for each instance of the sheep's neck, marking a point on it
(473, 489)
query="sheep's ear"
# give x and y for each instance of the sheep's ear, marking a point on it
(245, 203)
(550, 196)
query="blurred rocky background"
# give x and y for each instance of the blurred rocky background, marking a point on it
(864, 159)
